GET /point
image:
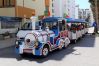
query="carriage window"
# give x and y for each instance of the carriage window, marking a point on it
(49, 25)
(55, 26)
(43, 26)
(52, 25)
(27, 26)
(62, 25)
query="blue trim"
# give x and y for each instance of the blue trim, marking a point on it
(57, 42)
(71, 20)
(17, 50)
(37, 52)
(52, 40)
(55, 31)
(51, 19)
(40, 44)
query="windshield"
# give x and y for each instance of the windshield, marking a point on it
(29, 26)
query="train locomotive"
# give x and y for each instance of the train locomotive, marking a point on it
(47, 35)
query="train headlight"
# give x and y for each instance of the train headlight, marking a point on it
(16, 42)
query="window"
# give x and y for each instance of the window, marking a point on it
(52, 10)
(12, 2)
(27, 26)
(7, 25)
(52, 5)
(7, 3)
(10, 22)
(62, 25)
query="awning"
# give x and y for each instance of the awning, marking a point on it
(50, 19)
(10, 19)
(72, 20)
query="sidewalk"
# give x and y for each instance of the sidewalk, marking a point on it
(7, 43)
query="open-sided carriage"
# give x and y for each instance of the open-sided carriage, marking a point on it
(77, 28)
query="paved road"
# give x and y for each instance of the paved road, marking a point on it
(7, 43)
(84, 53)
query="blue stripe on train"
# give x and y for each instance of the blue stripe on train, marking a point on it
(17, 50)
(57, 42)
(38, 50)
(51, 40)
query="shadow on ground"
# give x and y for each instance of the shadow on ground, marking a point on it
(87, 41)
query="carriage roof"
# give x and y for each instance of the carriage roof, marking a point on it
(71, 20)
(52, 19)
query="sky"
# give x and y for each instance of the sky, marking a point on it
(83, 3)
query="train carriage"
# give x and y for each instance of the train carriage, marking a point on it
(76, 28)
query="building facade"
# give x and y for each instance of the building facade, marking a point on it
(57, 8)
(87, 15)
(77, 12)
(70, 8)
(48, 8)
(62, 8)
(83, 13)
(22, 8)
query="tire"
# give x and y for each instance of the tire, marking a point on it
(74, 41)
(22, 55)
(45, 51)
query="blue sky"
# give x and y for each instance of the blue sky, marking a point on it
(83, 3)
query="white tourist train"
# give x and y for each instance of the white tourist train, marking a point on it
(41, 37)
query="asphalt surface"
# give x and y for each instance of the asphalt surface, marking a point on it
(7, 43)
(83, 53)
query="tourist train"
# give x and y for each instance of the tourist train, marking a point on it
(41, 37)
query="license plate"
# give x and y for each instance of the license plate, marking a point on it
(28, 50)
(28, 46)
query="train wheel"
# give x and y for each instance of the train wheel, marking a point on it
(22, 55)
(45, 51)
(75, 41)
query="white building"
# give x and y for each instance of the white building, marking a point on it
(57, 8)
(87, 15)
(70, 8)
(77, 12)
(61, 7)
